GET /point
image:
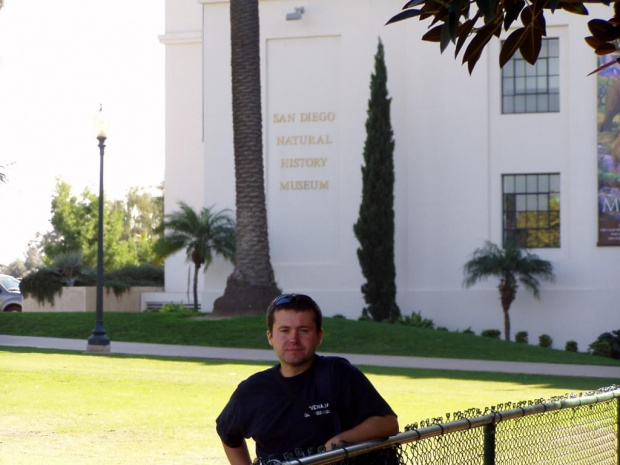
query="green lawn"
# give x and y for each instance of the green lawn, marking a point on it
(60, 408)
(343, 336)
(63, 408)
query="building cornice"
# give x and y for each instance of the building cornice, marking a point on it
(181, 38)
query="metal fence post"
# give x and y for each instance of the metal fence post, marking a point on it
(489, 444)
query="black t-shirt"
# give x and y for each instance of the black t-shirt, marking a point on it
(262, 409)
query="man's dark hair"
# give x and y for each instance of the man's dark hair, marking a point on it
(297, 303)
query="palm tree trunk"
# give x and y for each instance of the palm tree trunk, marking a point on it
(508, 293)
(196, 268)
(251, 286)
(506, 325)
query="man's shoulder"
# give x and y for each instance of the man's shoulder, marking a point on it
(332, 360)
(259, 379)
(334, 365)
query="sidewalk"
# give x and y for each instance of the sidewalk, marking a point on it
(133, 348)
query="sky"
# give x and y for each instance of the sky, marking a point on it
(58, 62)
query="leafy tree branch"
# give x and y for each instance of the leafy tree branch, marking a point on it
(470, 25)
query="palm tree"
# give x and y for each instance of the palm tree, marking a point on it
(251, 286)
(510, 264)
(202, 235)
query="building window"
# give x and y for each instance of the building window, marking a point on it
(532, 209)
(533, 88)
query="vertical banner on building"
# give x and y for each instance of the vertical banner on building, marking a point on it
(608, 119)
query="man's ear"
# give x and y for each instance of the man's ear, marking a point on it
(321, 332)
(269, 336)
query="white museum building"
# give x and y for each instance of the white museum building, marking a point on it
(503, 153)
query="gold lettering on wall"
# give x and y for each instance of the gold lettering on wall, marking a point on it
(303, 162)
(304, 185)
(303, 140)
(298, 148)
(318, 117)
(284, 117)
(305, 117)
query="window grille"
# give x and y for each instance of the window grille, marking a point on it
(531, 209)
(533, 88)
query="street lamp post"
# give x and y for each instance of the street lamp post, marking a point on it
(99, 340)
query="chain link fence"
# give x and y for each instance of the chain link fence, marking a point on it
(575, 429)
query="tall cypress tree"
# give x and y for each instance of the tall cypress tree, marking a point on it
(375, 226)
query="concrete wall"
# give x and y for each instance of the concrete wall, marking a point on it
(83, 299)
(184, 120)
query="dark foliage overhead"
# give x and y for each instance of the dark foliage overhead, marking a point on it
(470, 25)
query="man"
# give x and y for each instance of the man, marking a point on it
(305, 404)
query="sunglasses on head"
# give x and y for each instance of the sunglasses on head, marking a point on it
(295, 302)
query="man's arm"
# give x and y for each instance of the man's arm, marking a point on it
(238, 455)
(378, 427)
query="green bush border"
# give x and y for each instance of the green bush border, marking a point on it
(46, 283)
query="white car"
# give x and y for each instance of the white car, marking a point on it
(10, 294)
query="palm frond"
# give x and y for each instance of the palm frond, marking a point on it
(509, 264)
(202, 234)
(486, 262)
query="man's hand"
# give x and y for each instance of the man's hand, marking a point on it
(334, 442)
(379, 427)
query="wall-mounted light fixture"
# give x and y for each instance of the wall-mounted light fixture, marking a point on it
(296, 15)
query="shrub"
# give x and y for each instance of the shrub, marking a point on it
(126, 277)
(607, 345)
(176, 307)
(544, 340)
(45, 283)
(521, 337)
(69, 265)
(571, 346)
(42, 285)
(338, 316)
(492, 333)
(416, 320)
(600, 349)
(468, 331)
(442, 328)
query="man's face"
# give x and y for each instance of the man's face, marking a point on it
(294, 339)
